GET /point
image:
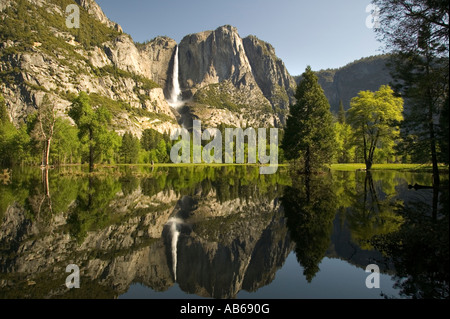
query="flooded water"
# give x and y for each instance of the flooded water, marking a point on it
(220, 233)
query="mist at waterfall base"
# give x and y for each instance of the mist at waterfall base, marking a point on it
(175, 100)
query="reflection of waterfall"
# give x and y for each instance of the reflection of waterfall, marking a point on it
(175, 99)
(175, 233)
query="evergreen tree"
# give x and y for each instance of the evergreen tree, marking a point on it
(416, 32)
(129, 151)
(6, 134)
(309, 133)
(444, 133)
(92, 127)
(161, 152)
(149, 139)
(66, 145)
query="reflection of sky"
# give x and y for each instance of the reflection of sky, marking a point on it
(139, 291)
(336, 280)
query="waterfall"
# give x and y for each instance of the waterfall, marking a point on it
(175, 232)
(175, 99)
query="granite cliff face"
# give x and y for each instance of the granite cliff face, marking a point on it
(225, 79)
(212, 57)
(346, 82)
(150, 60)
(99, 59)
(277, 85)
(221, 70)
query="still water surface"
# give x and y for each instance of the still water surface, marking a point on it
(221, 232)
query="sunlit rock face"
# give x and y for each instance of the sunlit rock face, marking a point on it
(270, 73)
(221, 66)
(212, 57)
(223, 77)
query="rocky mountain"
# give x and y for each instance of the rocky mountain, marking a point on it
(224, 78)
(346, 82)
(41, 55)
(231, 80)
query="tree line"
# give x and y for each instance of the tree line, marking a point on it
(368, 132)
(377, 128)
(48, 139)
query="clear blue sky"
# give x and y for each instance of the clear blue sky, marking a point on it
(321, 33)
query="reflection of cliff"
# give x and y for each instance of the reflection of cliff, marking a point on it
(35, 253)
(343, 247)
(220, 255)
(223, 246)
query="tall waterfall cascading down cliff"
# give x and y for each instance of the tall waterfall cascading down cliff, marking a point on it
(175, 99)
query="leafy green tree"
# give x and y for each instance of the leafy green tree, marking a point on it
(92, 126)
(14, 143)
(7, 131)
(309, 134)
(111, 144)
(66, 145)
(375, 117)
(344, 144)
(4, 117)
(20, 146)
(129, 151)
(416, 32)
(153, 157)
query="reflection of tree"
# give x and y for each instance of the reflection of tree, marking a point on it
(228, 182)
(310, 207)
(420, 250)
(47, 192)
(92, 209)
(129, 183)
(40, 201)
(372, 213)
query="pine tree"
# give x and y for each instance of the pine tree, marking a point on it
(130, 149)
(309, 134)
(92, 125)
(416, 32)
